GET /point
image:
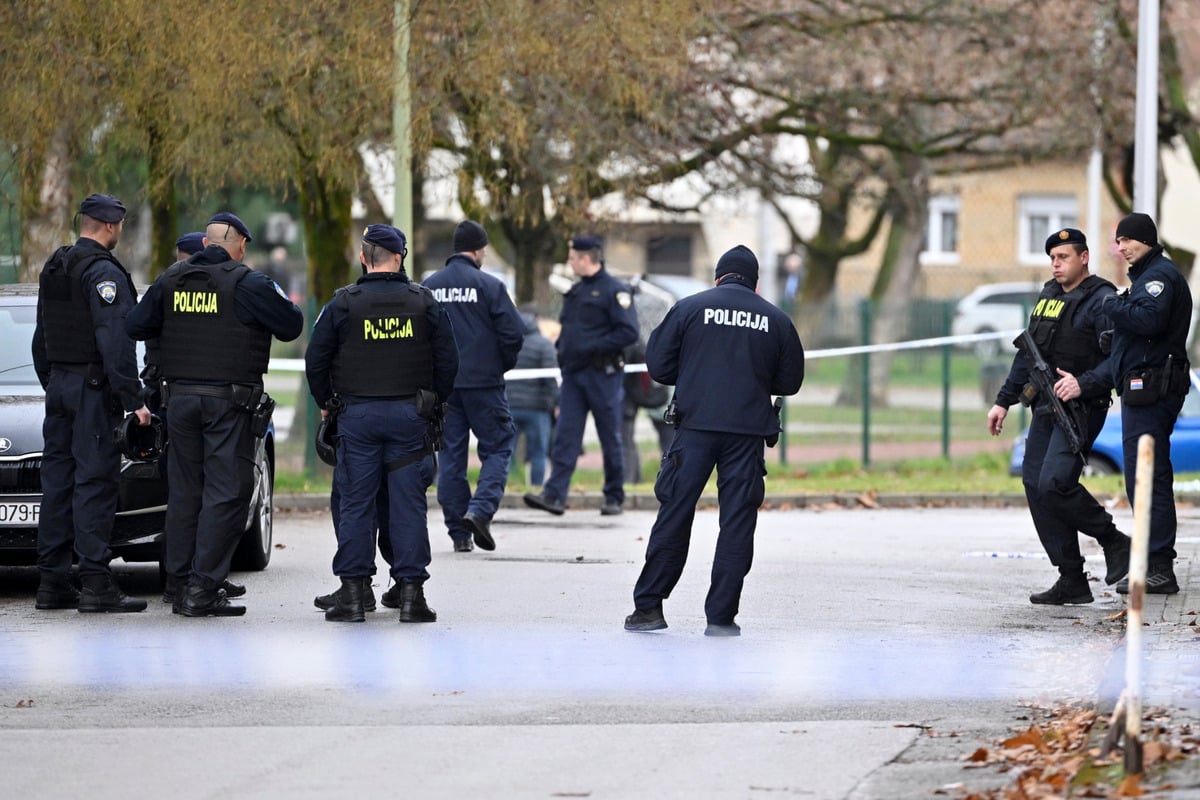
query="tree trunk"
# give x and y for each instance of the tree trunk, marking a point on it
(325, 209)
(164, 210)
(891, 296)
(45, 202)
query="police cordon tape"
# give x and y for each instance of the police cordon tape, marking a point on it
(297, 364)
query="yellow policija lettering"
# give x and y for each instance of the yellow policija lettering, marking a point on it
(387, 328)
(194, 303)
(1050, 309)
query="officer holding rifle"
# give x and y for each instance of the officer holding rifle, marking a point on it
(1060, 371)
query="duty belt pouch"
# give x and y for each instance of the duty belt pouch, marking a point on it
(260, 417)
(1142, 387)
(425, 403)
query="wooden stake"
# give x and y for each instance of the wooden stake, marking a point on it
(1143, 491)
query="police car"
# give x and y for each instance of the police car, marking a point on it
(142, 505)
(1107, 456)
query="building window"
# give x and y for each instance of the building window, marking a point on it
(941, 234)
(1039, 216)
(669, 255)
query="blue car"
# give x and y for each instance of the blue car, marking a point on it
(1107, 456)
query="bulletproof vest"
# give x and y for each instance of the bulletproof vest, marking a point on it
(66, 316)
(202, 338)
(1063, 345)
(384, 348)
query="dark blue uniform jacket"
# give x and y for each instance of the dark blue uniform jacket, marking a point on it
(597, 320)
(258, 301)
(487, 326)
(116, 350)
(727, 351)
(323, 344)
(1152, 320)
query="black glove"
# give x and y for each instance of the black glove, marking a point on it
(1106, 341)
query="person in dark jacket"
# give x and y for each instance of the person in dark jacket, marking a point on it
(598, 323)
(1152, 375)
(384, 348)
(1066, 323)
(532, 400)
(489, 333)
(726, 351)
(86, 363)
(214, 319)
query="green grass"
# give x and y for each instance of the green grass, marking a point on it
(979, 474)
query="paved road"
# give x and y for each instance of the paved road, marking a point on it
(879, 647)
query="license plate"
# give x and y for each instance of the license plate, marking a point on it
(19, 515)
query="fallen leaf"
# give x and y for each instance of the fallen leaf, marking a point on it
(1131, 786)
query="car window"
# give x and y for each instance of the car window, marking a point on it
(16, 334)
(1011, 298)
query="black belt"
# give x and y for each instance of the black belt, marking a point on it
(206, 390)
(350, 399)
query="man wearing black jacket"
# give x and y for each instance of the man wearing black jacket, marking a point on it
(1152, 375)
(1066, 324)
(726, 351)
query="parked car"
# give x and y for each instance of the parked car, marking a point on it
(1107, 456)
(994, 307)
(142, 502)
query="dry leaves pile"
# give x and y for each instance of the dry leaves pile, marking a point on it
(1060, 758)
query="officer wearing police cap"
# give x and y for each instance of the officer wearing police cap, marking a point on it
(385, 349)
(598, 323)
(726, 351)
(489, 332)
(1066, 323)
(1152, 375)
(214, 318)
(86, 363)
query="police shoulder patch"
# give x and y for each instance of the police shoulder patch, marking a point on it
(1155, 288)
(624, 299)
(107, 291)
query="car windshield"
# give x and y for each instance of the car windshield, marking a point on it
(16, 332)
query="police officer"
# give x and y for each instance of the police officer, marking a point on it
(385, 347)
(1152, 375)
(214, 318)
(188, 245)
(489, 333)
(86, 364)
(1066, 325)
(598, 322)
(726, 351)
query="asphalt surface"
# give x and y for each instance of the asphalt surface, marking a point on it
(879, 647)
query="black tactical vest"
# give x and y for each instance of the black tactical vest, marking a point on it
(384, 348)
(202, 338)
(1063, 345)
(66, 316)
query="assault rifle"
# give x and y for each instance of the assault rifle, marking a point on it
(1070, 416)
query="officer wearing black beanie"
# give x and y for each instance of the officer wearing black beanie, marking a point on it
(1152, 375)
(489, 332)
(726, 351)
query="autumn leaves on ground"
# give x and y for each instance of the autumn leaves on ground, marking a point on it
(1059, 755)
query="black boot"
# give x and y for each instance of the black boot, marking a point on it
(1116, 558)
(101, 594)
(413, 607)
(328, 601)
(201, 602)
(1068, 590)
(56, 591)
(348, 602)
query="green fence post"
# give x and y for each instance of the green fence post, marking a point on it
(865, 316)
(946, 383)
(311, 415)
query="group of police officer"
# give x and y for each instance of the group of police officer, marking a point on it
(208, 321)
(408, 368)
(1095, 340)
